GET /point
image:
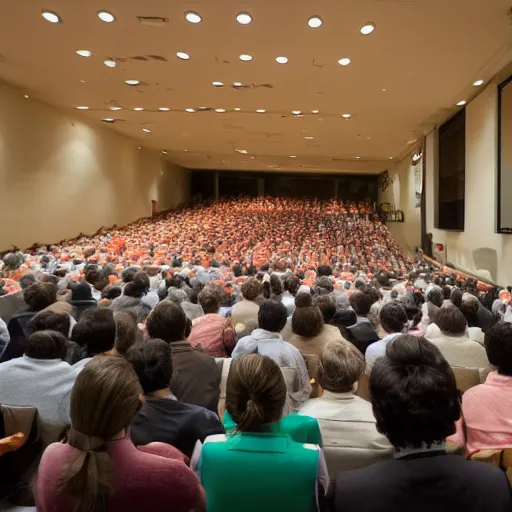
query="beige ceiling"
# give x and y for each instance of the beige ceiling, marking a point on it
(403, 79)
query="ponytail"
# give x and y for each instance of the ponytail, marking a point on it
(252, 419)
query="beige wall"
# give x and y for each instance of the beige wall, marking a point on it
(60, 176)
(401, 195)
(479, 248)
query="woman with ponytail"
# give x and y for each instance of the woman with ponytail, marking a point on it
(98, 469)
(258, 462)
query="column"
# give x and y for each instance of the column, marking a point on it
(216, 185)
(261, 187)
(335, 188)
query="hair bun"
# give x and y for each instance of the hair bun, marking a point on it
(303, 300)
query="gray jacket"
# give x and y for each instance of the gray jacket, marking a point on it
(4, 335)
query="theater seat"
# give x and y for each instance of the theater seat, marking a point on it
(79, 306)
(500, 458)
(466, 377)
(19, 331)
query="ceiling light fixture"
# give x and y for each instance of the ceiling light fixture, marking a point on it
(242, 151)
(138, 109)
(164, 109)
(106, 16)
(346, 116)
(114, 107)
(51, 16)
(183, 55)
(190, 110)
(108, 120)
(315, 22)
(315, 111)
(261, 111)
(186, 150)
(237, 109)
(82, 107)
(478, 83)
(391, 157)
(138, 147)
(146, 130)
(367, 28)
(461, 103)
(281, 60)
(245, 58)
(220, 110)
(110, 63)
(345, 61)
(164, 152)
(84, 53)
(244, 18)
(237, 84)
(292, 156)
(193, 17)
(217, 84)
(358, 157)
(308, 137)
(26, 96)
(296, 112)
(132, 82)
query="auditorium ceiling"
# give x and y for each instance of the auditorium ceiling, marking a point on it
(402, 79)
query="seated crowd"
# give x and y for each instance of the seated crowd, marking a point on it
(345, 378)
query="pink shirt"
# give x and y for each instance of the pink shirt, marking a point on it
(215, 334)
(487, 410)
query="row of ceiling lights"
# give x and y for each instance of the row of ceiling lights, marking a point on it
(53, 17)
(478, 83)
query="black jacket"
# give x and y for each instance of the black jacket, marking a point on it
(168, 421)
(428, 482)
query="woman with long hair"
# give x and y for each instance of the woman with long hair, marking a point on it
(99, 469)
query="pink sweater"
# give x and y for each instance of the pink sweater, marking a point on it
(487, 411)
(142, 481)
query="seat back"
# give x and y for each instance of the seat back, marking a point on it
(19, 331)
(500, 458)
(466, 377)
(80, 306)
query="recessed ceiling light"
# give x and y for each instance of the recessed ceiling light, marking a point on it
(217, 84)
(220, 110)
(391, 157)
(185, 150)
(296, 112)
(358, 157)
(315, 22)
(345, 61)
(82, 81)
(461, 103)
(237, 109)
(26, 96)
(315, 111)
(132, 82)
(281, 60)
(82, 107)
(147, 130)
(252, 158)
(292, 156)
(261, 111)
(164, 152)
(384, 90)
(164, 109)
(193, 17)
(183, 55)
(242, 151)
(478, 83)
(244, 18)
(202, 108)
(115, 107)
(110, 63)
(308, 137)
(106, 16)
(108, 119)
(84, 53)
(138, 147)
(367, 28)
(245, 58)
(138, 109)
(346, 116)
(237, 84)
(190, 110)
(51, 16)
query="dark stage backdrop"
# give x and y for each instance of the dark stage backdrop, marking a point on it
(323, 186)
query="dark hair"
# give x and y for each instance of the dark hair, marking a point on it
(272, 316)
(447, 291)
(498, 345)
(255, 392)
(435, 295)
(382, 279)
(292, 284)
(209, 300)
(167, 322)
(469, 308)
(111, 292)
(46, 345)
(53, 321)
(414, 394)
(92, 274)
(324, 270)
(152, 361)
(414, 315)
(327, 306)
(138, 286)
(252, 270)
(456, 297)
(39, 296)
(307, 320)
(26, 280)
(237, 270)
(96, 330)
(393, 317)
(361, 302)
(451, 320)
(127, 331)
(276, 285)
(128, 274)
(81, 291)
(251, 289)
(325, 283)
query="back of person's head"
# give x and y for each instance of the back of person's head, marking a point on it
(435, 295)
(498, 345)
(46, 345)
(450, 320)
(92, 274)
(383, 279)
(414, 315)
(307, 320)
(456, 297)
(292, 284)
(53, 321)
(414, 394)
(272, 316)
(128, 274)
(327, 306)
(251, 289)
(324, 270)
(255, 392)
(393, 317)
(104, 401)
(138, 286)
(111, 292)
(26, 280)
(95, 330)
(325, 283)
(237, 270)
(340, 366)
(469, 309)
(447, 291)
(81, 291)
(252, 270)
(39, 296)
(167, 322)
(127, 331)
(276, 285)
(177, 295)
(209, 299)
(361, 302)
(152, 361)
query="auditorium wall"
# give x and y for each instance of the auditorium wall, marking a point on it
(60, 176)
(478, 249)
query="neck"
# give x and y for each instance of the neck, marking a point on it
(160, 393)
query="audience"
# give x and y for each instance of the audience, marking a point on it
(135, 298)
(362, 333)
(291, 285)
(245, 313)
(99, 468)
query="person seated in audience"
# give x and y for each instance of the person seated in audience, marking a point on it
(163, 418)
(268, 470)
(267, 341)
(191, 306)
(416, 403)
(81, 292)
(454, 343)
(99, 468)
(469, 308)
(433, 301)
(41, 378)
(291, 285)
(127, 331)
(245, 313)
(4, 335)
(393, 320)
(362, 333)
(487, 408)
(136, 298)
(109, 294)
(327, 306)
(350, 437)
(212, 332)
(196, 375)
(342, 319)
